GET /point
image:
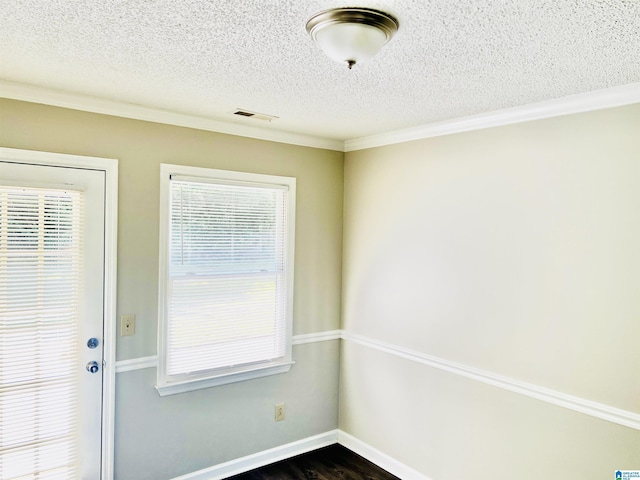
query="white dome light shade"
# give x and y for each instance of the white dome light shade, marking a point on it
(344, 42)
(351, 35)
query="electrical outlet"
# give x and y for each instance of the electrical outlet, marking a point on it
(127, 325)
(279, 412)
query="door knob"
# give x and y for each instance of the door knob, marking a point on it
(93, 367)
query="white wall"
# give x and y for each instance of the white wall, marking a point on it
(515, 250)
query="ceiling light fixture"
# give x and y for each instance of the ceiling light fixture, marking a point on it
(351, 35)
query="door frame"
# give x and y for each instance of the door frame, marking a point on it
(110, 167)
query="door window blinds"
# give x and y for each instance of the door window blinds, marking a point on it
(40, 281)
(227, 277)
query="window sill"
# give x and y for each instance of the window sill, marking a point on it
(232, 377)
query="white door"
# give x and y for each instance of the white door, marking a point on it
(51, 321)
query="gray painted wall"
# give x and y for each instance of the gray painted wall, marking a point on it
(159, 438)
(163, 437)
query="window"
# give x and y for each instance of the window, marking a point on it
(226, 277)
(40, 276)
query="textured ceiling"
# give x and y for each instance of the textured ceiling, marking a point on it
(207, 57)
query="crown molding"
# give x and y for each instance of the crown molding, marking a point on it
(579, 103)
(85, 103)
(582, 102)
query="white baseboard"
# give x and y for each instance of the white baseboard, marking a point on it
(383, 460)
(266, 457)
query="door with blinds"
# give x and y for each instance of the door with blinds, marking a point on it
(51, 321)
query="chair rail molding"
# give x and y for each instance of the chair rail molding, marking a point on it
(578, 404)
(152, 360)
(588, 407)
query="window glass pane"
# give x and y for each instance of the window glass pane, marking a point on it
(40, 272)
(224, 229)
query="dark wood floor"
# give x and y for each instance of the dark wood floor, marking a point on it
(334, 462)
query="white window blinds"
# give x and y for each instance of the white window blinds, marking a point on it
(227, 285)
(40, 279)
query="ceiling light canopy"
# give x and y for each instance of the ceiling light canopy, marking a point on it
(351, 35)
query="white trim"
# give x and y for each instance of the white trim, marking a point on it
(47, 96)
(110, 167)
(588, 407)
(230, 377)
(185, 173)
(152, 361)
(283, 452)
(583, 102)
(110, 303)
(266, 457)
(317, 337)
(136, 364)
(382, 460)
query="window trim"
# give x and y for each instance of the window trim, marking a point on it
(241, 373)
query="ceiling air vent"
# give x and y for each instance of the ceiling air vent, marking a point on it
(255, 115)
